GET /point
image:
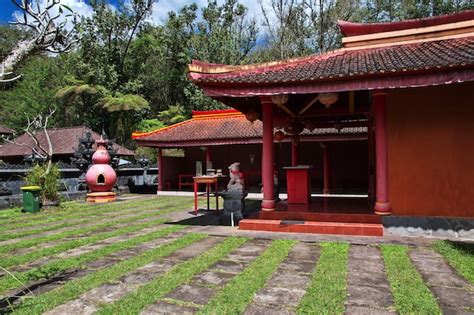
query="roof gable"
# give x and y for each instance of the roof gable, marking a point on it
(64, 142)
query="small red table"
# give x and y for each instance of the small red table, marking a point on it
(208, 180)
(298, 184)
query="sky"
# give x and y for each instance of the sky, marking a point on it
(159, 14)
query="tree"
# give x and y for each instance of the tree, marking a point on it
(48, 33)
(101, 86)
(173, 115)
(34, 93)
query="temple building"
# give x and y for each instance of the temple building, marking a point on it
(221, 137)
(64, 142)
(409, 84)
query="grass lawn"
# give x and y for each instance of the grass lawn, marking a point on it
(61, 254)
(410, 293)
(459, 255)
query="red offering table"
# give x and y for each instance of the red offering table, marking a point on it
(298, 184)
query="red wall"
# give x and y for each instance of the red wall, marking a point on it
(431, 150)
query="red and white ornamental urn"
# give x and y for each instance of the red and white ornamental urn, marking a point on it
(101, 177)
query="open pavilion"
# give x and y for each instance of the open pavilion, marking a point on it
(221, 137)
(409, 84)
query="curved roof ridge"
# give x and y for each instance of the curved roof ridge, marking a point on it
(197, 115)
(138, 134)
(355, 29)
(197, 66)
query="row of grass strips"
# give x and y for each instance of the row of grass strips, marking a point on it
(460, 255)
(16, 260)
(60, 214)
(13, 215)
(77, 232)
(326, 293)
(93, 218)
(72, 208)
(59, 265)
(239, 292)
(410, 293)
(73, 289)
(134, 302)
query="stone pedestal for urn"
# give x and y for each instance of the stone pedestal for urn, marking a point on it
(234, 197)
(234, 206)
(101, 177)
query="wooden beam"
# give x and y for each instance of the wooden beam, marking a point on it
(308, 105)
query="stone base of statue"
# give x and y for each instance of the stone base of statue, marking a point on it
(101, 197)
(234, 203)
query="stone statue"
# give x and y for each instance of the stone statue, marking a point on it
(236, 182)
(234, 197)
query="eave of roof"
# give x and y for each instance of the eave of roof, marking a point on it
(231, 127)
(6, 130)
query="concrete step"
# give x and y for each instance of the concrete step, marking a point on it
(293, 226)
(320, 217)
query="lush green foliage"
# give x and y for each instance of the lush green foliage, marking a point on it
(410, 293)
(47, 180)
(460, 255)
(34, 93)
(149, 125)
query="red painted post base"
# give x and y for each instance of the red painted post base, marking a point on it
(383, 208)
(325, 191)
(268, 205)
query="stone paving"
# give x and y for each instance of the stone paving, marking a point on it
(286, 287)
(368, 290)
(455, 294)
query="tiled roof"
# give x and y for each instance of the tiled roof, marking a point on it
(229, 128)
(5, 131)
(342, 64)
(64, 141)
(355, 29)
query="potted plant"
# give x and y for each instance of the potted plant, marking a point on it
(47, 179)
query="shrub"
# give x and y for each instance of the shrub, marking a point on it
(48, 182)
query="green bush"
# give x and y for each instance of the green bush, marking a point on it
(48, 183)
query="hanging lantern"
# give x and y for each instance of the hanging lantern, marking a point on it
(280, 99)
(251, 115)
(279, 136)
(327, 99)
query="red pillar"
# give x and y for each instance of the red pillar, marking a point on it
(382, 205)
(160, 170)
(324, 146)
(268, 203)
(294, 151)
